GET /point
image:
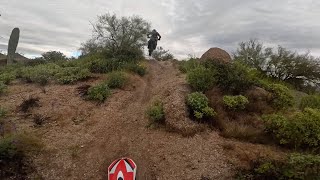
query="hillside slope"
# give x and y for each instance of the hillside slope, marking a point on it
(82, 138)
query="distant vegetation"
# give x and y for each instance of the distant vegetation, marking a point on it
(301, 71)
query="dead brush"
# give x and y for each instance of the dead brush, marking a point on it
(29, 103)
(39, 120)
(243, 131)
(83, 90)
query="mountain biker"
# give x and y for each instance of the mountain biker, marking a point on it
(152, 43)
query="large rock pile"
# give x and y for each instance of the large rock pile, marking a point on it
(216, 54)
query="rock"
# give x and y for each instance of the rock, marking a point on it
(216, 54)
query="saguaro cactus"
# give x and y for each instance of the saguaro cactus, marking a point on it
(12, 46)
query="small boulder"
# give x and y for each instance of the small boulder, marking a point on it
(216, 54)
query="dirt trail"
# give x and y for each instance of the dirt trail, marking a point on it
(83, 138)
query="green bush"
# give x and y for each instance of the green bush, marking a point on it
(3, 87)
(6, 78)
(201, 78)
(235, 102)
(99, 93)
(40, 74)
(35, 62)
(186, 66)
(105, 65)
(281, 95)
(156, 112)
(199, 104)
(10, 69)
(117, 79)
(301, 130)
(126, 54)
(136, 68)
(70, 75)
(312, 101)
(235, 77)
(295, 166)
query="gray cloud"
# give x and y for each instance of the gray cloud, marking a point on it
(187, 26)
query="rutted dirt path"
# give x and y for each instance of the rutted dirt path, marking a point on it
(83, 138)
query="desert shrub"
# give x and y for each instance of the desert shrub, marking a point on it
(235, 77)
(311, 101)
(40, 74)
(281, 95)
(11, 69)
(117, 79)
(236, 102)
(201, 78)
(127, 55)
(99, 92)
(294, 166)
(6, 78)
(14, 151)
(39, 120)
(186, 66)
(161, 54)
(302, 130)
(3, 87)
(105, 65)
(243, 131)
(70, 75)
(156, 113)
(199, 104)
(35, 62)
(139, 69)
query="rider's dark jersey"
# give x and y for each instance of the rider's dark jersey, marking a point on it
(154, 35)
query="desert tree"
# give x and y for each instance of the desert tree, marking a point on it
(53, 56)
(118, 35)
(253, 54)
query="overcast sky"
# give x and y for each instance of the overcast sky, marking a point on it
(187, 26)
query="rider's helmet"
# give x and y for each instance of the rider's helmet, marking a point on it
(122, 169)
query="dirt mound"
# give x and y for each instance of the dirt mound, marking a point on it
(216, 54)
